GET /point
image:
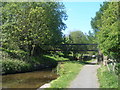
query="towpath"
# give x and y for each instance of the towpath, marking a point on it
(87, 77)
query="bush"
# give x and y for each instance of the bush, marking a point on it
(4, 54)
(33, 63)
(14, 66)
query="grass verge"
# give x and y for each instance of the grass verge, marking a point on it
(67, 72)
(107, 79)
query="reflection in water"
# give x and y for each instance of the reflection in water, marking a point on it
(28, 80)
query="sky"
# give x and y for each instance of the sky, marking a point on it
(79, 15)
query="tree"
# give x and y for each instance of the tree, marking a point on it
(108, 33)
(27, 26)
(77, 37)
(96, 21)
(91, 39)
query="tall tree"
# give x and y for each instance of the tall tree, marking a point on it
(96, 21)
(109, 30)
(28, 25)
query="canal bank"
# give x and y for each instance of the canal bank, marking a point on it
(67, 72)
(33, 79)
(13, 66)
(46, 79)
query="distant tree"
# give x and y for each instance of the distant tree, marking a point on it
(77, 37)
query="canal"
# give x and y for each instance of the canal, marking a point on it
(28, 80)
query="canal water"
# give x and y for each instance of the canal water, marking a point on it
(28, 80)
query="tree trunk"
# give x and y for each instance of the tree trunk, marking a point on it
(32, 51)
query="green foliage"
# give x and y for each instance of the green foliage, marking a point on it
(107, 24)
(78, 37)
(3, 54)
(27, 25)
(96, 22)
(14, 66)
(67, 72)
(91, 37)
(59, 53)
(14, 53)
(34, 63)
(117, 69)
(107, 79)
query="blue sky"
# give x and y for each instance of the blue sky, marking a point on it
(79, 15)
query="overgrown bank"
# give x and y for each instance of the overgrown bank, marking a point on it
(107, 79)
(10, 65)
(67, 72)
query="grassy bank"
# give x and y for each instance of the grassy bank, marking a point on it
(67, 72)
(107, 79)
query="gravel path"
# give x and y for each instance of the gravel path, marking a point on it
(87, 77)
